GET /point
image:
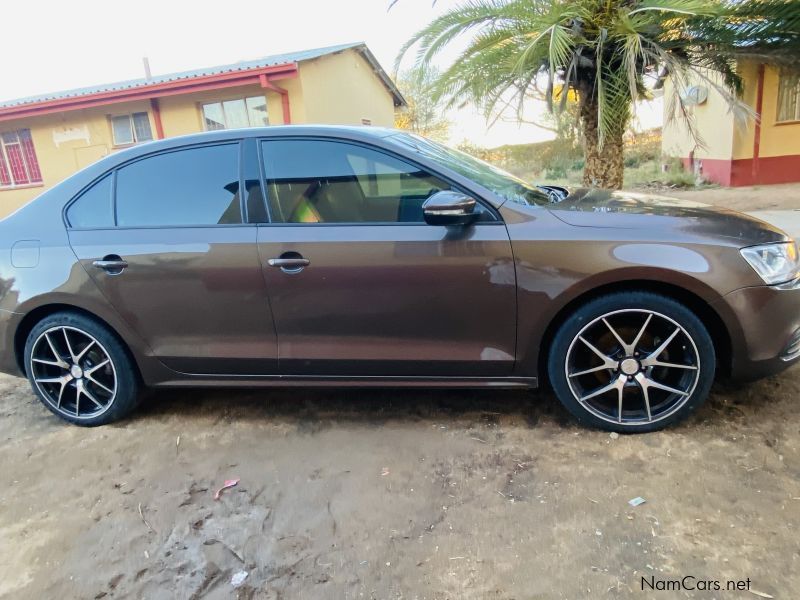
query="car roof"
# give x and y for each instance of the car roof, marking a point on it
(346, 131)
(356, 133)
(118, 158)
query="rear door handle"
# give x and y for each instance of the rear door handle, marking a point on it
(111, 264)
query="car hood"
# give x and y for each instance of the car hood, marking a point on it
(628, 210)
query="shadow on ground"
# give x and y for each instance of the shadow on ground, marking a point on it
(371, 407)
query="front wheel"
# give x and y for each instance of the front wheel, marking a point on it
(80, 370)
(632, 362)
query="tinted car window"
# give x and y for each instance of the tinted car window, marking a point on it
(93, 208)
(195, 186)
(314, 181)
(502, 183)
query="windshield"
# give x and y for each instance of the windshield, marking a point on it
(497, 180)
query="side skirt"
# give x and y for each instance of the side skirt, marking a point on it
(349, 382)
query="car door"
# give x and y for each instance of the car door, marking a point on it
(166, 240)
(360, 285)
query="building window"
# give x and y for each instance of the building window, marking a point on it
(131, 129)
(789, 97)
(232, 114)
(18, 162)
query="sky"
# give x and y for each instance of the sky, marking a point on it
(60, 45)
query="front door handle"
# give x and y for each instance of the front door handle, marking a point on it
(289, 262)
(289, 265)
(111, 264)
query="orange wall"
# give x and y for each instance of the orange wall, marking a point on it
(777, 139)
(729, 153)
(66, 142)
(726, 139)
(712, 120)
(341, 89)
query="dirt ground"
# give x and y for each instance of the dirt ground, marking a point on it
(760, 197)
(401, 494)
(397, 494)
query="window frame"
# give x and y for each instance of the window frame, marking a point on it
(221, 103)
(31, 183)
(796, 117)
(129, 115)
(498, 220)
(113, 172)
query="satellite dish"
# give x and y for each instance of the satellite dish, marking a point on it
(694, 95)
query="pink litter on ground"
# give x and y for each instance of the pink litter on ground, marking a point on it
(229, 483)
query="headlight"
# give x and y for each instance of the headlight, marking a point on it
(775, 263)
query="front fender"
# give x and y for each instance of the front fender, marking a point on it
(550, 283)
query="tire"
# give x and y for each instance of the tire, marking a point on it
(631, 362)
(80, 370)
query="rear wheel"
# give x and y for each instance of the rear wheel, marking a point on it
(632, 362)
(79, 370)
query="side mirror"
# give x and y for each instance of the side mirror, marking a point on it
(449, 208)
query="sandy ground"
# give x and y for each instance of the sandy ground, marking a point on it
(397, 494)
(746, 199)
(401, 494)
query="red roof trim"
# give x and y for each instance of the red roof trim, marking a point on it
(144, 92)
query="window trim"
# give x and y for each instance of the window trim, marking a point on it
(135, 141)
(249, 150)
(498, 219)
(796, 118)
(221, 104)
(113, 172)
(259, 139)
(31, 183)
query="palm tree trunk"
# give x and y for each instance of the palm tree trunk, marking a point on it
(604, 166)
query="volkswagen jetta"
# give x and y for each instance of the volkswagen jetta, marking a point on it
(316, 256)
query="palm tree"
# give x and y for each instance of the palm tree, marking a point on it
(604, 50)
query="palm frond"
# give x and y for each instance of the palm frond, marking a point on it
(452, 24)
(605, 50)
(681, 7)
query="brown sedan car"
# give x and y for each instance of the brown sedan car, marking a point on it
(371, 257)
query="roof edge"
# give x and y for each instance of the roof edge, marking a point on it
(144, 92)
(399, 100)
(278, 65)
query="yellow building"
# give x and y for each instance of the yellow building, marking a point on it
(764, 150)
(47, 138)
